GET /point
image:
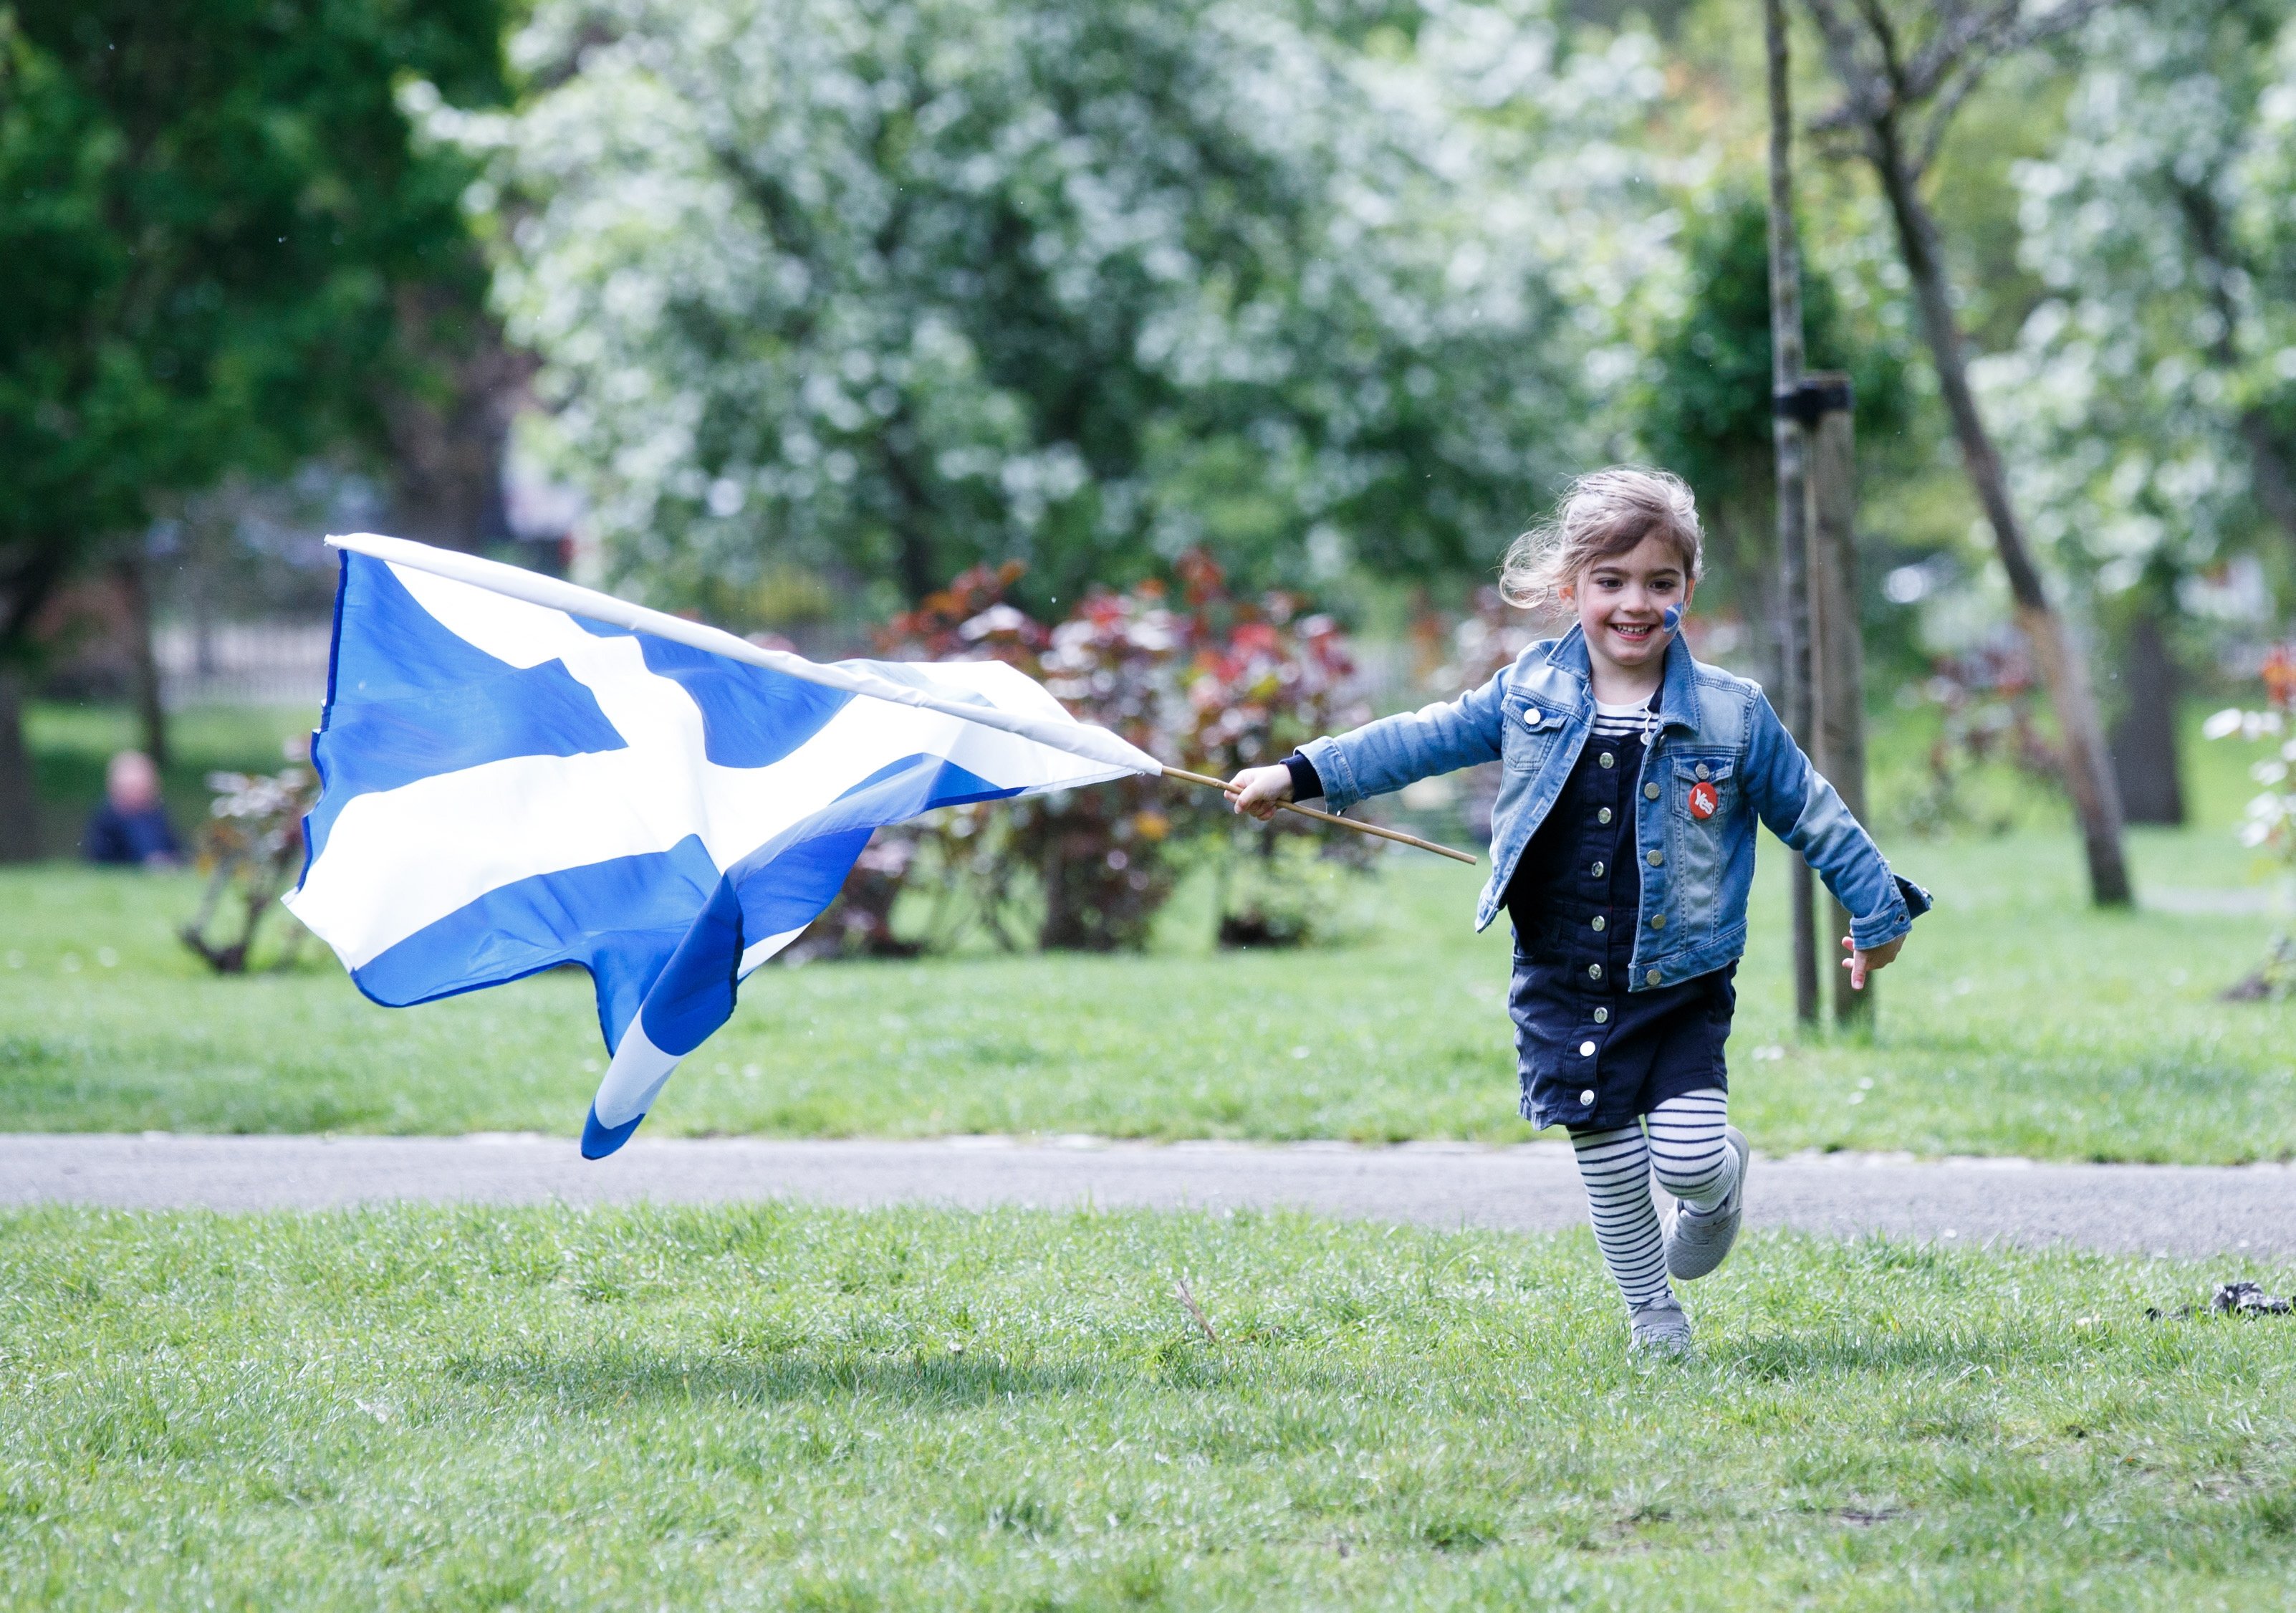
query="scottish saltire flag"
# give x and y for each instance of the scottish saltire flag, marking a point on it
(511, 780)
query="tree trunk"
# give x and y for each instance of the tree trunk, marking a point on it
(2088, 772)
(134, 586)
(447, 446)
(2144, 739)
(1837, 651)
(20, 800)
(1793, 512)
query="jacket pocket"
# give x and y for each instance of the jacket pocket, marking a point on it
(1703, 809)
(1527, 732)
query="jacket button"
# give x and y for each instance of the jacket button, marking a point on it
(1702, 772)
(1655, 859)
(1650, 792)
(1601, 923)
(1594, 971)
(1531, 720)
(1586, 1050)
(1658, 921)
(1602, 1016)
(1602, 815)
(1653, 977)
(1596, 870)
(1587, 1098)
(1607, 760)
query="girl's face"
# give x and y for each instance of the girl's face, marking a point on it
(1620, 601)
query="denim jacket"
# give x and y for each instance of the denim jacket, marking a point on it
(1714, 728)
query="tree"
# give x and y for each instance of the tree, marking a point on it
(2138, 407)
(884, 291)
(1703, 410)
(205, 206)
(1904, 70)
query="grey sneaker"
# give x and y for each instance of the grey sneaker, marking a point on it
(1697, 1244)
(1660, 1328)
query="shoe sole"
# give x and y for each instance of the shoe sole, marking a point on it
(1690, 1262)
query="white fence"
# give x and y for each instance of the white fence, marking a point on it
(243, 664)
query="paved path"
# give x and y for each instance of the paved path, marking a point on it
(2170, 1209)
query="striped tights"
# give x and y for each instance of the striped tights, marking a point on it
(1684, 1148)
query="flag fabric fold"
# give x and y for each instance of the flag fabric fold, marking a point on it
(507, 787)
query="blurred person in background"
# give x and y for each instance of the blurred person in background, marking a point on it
(131, 826)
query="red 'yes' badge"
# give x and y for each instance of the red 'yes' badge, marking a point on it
(1704, 799)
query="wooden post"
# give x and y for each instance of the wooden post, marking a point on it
(1837, 646)
(1793, 515)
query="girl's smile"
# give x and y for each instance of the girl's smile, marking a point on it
(1621, 601)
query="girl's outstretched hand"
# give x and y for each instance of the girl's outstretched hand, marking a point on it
(1862, 964)
(1259, 791)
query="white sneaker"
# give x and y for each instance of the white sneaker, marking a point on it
(1695, 1244)
(1658, 1328)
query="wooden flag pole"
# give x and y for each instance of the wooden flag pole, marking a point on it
(1209, 782)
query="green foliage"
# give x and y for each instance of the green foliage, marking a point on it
(886, 291)
(1208, 682)
(206, 208)
(2161, 366)
(770, 1406)
(1703, 407)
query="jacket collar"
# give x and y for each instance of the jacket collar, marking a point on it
(1677, 705)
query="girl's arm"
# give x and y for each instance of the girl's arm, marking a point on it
(1395, 751)
(1804, 810)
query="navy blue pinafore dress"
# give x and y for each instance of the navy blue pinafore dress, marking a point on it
(1591, 1054)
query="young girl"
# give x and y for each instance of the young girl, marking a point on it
(1622, 847)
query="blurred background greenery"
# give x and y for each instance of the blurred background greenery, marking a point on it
(786, 312)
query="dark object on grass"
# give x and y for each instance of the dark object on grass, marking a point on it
(2246, 1299)
(2228, 1300)
(2275, 981)
(252, 846)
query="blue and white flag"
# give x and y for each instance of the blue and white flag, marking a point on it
(517, 773)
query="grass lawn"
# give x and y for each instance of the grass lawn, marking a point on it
(2019, 1021)
(769, 1407)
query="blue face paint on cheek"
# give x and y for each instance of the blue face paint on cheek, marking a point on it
(1670, 619)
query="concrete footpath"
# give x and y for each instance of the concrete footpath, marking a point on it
(2186, 1210)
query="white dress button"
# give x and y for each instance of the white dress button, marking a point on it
(1596, 870)
(1587, 1098)
(1602, 815)
(1601, 923)
(1586, 1050)
(1607, 760)
(1602, 1016)
(1594, 971)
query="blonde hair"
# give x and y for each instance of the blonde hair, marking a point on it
(1605, 513)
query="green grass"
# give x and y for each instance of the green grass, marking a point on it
(768, 1407)
(2019, 1021)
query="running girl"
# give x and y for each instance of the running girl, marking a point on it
(1622, 848)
